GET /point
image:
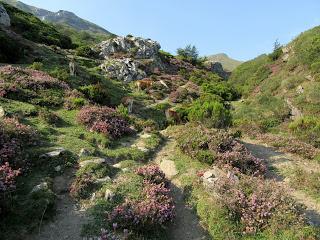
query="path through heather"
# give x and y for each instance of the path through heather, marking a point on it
(186, 225)
(277, 162)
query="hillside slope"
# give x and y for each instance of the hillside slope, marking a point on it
(61, 17)
(283, 87)
(228, 63)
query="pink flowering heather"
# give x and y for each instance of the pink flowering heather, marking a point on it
(155, 208)
(29, 78)
(253, 202)
(105, 120)
(152, 173)
(7, 177)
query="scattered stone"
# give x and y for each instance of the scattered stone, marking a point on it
(143, 149)
(58, 168)
(93, 197)
(145, 136)
(109, 195)
(211, 176)
(56, 153)
(169, 168)
(84, 153)
(4, 17)
(40, 187)
(103, 180)
(96, 160)
(300, 89)
(2, 112)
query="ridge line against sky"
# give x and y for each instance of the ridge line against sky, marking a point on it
(241, 29)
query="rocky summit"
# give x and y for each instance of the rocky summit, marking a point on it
(4, 17)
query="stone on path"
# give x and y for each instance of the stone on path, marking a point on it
(169, 168)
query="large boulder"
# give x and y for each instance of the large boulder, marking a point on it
(125, 69)
(139, 48)
(4, 17)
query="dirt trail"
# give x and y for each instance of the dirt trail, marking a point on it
(277, 162)
(68, 222)
(186, 225)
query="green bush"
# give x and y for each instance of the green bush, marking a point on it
(85, 51)
(96, 93)
(276, 54)
(200, 77)
(222, 89)
(37, 66)
(210, 111)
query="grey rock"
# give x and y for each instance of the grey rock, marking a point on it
(109, 195)
(4, 17)
(56, 153)
(40, 187)
(103, 180)
(126, 69)
(140, 48)
(217, 68)
(95, 160)
(58, 168)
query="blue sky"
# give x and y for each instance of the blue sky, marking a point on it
(242, 29)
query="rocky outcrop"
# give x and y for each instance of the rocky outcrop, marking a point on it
(217, 68)
(4, 17)
(126, 69)
(137, 47)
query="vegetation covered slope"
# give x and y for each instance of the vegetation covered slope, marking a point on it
(283, 87)
(62, 17)
(228, 63)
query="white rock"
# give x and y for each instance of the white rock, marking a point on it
(58, 168)
(96, 160)
(103, 180)
(4, 17)
(56, 153)
(2, 112)
(109, 195)
(40, 187)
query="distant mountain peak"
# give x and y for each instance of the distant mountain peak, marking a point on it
(228, 63)
(62, 16)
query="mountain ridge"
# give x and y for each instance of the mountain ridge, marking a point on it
(227, 62)
(61, 16)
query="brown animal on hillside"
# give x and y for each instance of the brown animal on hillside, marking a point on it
(172, 115)
(144, 84)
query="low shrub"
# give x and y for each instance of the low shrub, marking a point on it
(254, 203)
(105, 120)
(49, 117)
(11, 51)
(37, 66)
(214, 146)
(221, 89)
(74, 100)
(31, 86)
(85, 51)
(210, 111)
(82, 187)
(97, 93)
(152, 174)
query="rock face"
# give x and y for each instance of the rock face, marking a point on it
(4, 17)
(125, 69)
(130, 58)
(138, 47)
(217, 68)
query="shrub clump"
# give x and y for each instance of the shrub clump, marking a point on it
(154, 210)
(255, 203)
(104, 120)
(14, 137)
(31, 86)
(214, 146)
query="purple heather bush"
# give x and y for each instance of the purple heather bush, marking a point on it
(104, 120)
(155, 208)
